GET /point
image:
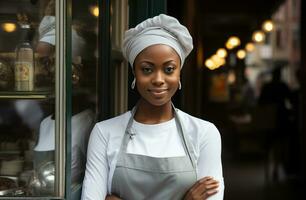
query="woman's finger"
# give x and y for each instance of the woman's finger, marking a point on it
(209, 193)
(203, 187)
(212, 186)
(208, 190)
(199, 183)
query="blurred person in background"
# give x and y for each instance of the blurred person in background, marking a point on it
(276, 94)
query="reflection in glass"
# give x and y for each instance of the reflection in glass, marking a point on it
(84, 69)
(27, 42)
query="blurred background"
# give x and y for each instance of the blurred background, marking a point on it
(247, 75)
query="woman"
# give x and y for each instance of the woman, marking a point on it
(154, 151)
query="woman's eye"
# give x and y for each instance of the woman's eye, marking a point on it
(169, 69)
(147, 70)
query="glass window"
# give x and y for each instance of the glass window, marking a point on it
(27, 98)
(84, 50)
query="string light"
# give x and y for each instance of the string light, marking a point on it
(241, 54)
(232, 42)
(222, 53)
(258, 36)
(214, 62)
(250, 47)
(268, 26)
(209, 64)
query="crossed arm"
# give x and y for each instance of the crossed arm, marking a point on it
(201, 190)
(209, 168)
(210, 185)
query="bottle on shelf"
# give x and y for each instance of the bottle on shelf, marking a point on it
(24, 63)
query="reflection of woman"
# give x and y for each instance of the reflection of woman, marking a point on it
(154, 151)
(82, 115)
(81, 124)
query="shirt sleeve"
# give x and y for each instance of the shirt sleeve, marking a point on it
(96, 174)
(209, 162)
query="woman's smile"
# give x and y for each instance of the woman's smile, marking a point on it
(158, 92)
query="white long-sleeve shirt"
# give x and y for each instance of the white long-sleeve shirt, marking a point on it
(158, 140)
(81, 124)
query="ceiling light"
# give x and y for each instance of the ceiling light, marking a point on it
(222, 53)
(249, 47)
(258, 36)
(268, 26)
(216, 59)
(9, 27)
(241, 54)
(229, 46)
(209, 63)
(232, 42)
(94, 10)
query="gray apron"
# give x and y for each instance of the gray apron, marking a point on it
(139, 177)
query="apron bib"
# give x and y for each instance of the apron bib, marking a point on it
(139, 177)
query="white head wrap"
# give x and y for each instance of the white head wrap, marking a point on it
(47, 30)
(161, 29)
(47, 34)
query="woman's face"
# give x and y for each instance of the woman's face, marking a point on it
(157, 72)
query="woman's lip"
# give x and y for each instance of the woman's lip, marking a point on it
(158, 92)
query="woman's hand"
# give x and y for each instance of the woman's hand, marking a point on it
(112, 197)
(202, 189)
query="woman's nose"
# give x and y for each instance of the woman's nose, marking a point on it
(158, 78)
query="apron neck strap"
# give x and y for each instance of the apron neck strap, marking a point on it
(130, 133)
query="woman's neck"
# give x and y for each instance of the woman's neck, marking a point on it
(149, 114)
